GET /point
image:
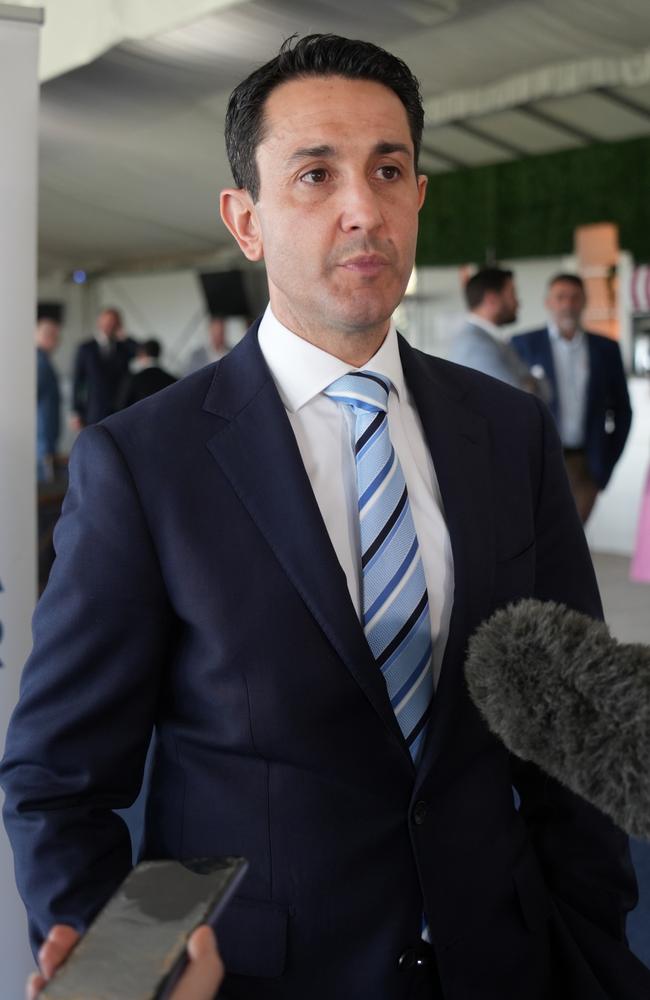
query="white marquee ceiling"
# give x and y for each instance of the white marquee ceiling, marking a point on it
(132, 155)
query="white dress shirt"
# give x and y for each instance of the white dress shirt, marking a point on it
(324, 432)
(571, 362)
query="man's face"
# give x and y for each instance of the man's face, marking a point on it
(49, 333)
(508, 304)
(336, 219)
(565, 302)
(108, 323)
(217, 333)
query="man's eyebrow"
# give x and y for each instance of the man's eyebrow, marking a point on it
(311, 152)
(385, 148)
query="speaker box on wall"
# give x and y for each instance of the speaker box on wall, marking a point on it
(225, 294)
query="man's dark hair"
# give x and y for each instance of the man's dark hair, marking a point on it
(489, 279)
(313, 55)
(151, 348)
(572, 279)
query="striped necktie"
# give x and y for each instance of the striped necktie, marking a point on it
(395, 606)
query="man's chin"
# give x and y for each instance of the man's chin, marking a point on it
(360, 323)
(363, 312)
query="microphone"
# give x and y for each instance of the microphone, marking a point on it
(559, 691)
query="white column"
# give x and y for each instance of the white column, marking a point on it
(19, 34)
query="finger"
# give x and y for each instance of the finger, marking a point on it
(34, 984)
(204, 974)
(56, 948)
(201, 943)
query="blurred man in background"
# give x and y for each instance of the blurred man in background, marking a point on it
(48, 399)
(100, 367)
(146, 376)
(215, 349)
(491, 298)
(589, 397)
(492, 301)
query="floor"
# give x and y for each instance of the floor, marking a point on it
(627, 604)
(627, 612)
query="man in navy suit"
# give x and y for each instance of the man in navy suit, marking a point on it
(590, 401)
(211, 585)
(146, 377)
(100, 367)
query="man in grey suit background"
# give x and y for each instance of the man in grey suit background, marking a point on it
(491, 299)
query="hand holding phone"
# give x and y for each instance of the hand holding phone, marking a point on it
(200, 980)
(135, 948)
(53, 952)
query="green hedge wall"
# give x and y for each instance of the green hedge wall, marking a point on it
(530, 207)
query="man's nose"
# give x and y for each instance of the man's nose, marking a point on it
(361, 207)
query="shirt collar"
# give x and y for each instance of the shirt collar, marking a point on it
(301, 370)
(576, 340)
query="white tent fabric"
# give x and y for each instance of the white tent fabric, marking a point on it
(569, 78)
(78, 31)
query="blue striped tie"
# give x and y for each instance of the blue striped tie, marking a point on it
(393, 588)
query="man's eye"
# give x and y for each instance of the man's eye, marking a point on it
(315, 176)
(389, 172)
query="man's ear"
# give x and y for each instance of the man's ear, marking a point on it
(240, 218)
(422, 189)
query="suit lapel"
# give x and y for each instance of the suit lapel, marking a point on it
(257, 451)
(593, 362)
(458, 442)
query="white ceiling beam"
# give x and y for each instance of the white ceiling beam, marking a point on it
(562, 80)
(78, 31)
(21, 12)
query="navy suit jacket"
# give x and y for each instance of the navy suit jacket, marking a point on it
(48, 405)
(196, 591)
(97, 379)
(609, 413)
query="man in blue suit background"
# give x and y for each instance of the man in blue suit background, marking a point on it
(275, 565)
(48, 399)
(590, 401)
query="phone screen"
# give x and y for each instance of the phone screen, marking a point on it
(135, 947)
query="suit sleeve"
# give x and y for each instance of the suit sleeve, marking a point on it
(483, 357)
(520, 344)
(585, 857)
(78, 738)
(619, 403)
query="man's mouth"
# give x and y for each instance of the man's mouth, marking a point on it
(368, 264)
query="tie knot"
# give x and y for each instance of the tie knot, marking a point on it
(362, 391)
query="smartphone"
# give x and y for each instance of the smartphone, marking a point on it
(135, 947)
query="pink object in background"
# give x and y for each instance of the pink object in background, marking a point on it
(640, 569)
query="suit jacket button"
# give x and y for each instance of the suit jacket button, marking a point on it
(407, 960)
(415, 959)
(419, 813)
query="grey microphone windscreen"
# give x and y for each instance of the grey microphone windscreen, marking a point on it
(561, 692)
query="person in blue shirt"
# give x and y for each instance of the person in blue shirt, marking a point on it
(48, 398)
